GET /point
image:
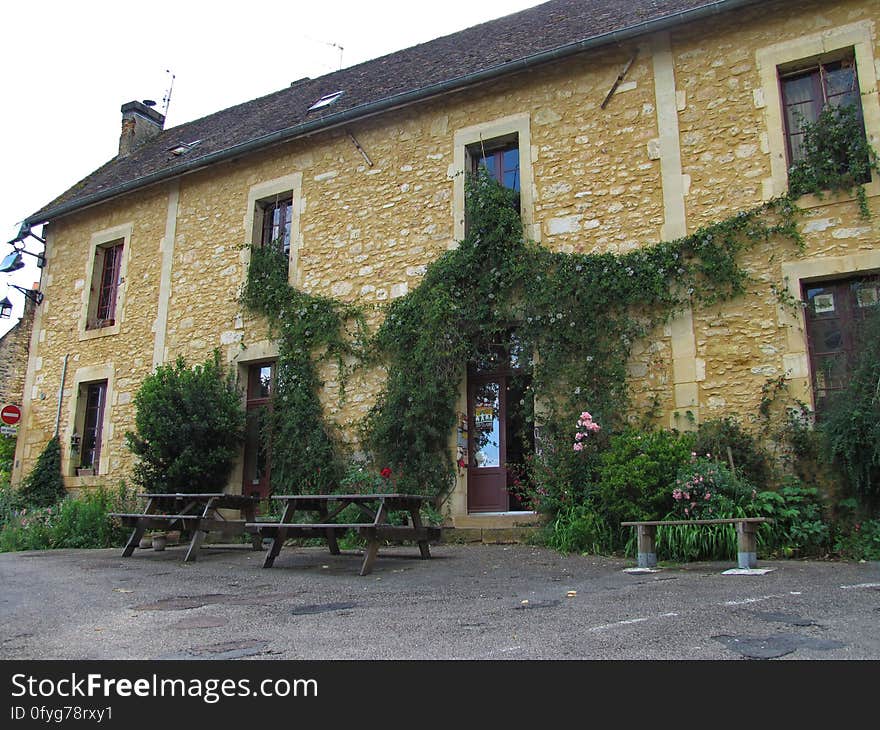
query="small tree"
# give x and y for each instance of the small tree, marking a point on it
(44, 486)
(190, 424)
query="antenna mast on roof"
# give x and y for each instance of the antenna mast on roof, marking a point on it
(166, 100)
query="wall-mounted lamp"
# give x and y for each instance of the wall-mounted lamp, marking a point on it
(5, 308)
(12, 262)
(24, 230)
(35, 295)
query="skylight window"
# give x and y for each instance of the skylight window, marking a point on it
(326, 100)
(183, 148)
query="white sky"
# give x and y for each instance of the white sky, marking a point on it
(67, 67)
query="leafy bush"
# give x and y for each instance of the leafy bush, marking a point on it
(861, 541)
(190, 423)
(44, 486)
(750, 459)
(704, 487)
(75, 522)
(799, 526)
(637, 471)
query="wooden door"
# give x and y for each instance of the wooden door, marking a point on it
(487, 444)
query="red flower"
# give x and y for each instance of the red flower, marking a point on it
(386, 473)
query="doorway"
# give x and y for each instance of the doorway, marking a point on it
(500, 434)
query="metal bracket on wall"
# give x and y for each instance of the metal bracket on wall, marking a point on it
(617, 81)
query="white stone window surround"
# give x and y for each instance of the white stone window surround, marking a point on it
(518, 125)
(796, 361)
(75, 413)
(93, 280)
(268, 191)
(855, 36)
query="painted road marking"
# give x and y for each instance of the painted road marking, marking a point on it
(627, 622)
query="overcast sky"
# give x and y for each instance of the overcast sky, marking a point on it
(68, 66)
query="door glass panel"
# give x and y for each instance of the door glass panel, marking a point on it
(487, 426)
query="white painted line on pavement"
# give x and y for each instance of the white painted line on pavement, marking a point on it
(862, 585)
(627, 622)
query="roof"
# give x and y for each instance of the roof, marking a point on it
(514, 42)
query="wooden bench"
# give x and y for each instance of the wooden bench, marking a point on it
(746, 530)
(198, 514)
(374, 506)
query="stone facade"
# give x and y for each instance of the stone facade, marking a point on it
(688, 138)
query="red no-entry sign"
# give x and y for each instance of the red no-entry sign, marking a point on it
(10, 415)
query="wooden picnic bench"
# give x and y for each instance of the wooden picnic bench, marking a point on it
(325, 508)
(197, 514)
(746, 530)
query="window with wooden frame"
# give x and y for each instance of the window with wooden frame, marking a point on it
(106, 278)
(276, 216)
(807, 89)
(834, 315)
(91, 403)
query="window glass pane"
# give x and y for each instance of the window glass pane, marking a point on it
(511, 169)
(840, 80)
(93, 412)
(487, 431)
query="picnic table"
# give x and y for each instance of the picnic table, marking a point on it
(326, 508)
(198, 514)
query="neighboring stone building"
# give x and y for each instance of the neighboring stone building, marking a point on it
(14, 347)
(626, 122)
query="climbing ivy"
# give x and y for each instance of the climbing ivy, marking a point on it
(575, 318)
(310, 329)
(570, 319)
(835, 156)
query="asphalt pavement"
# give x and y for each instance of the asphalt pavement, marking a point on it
(495, 602)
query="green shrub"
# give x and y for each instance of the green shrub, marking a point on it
(190, 424)
(860, 541)
(704, 489)
(44, 486)
(581, 529)
(76, 522)
(750, 459)
(799, 525)
(636, 474)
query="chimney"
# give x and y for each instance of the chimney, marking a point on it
(140, 124)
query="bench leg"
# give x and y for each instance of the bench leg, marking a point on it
(416, 520)
(747, 545)
(193, 552)
(647, 554)
(331, 541)
(277, 543)
(134, 540)
(370, 554)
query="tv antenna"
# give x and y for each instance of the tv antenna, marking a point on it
(166, 100)
(332, 45)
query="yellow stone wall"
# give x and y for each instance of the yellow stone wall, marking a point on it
(367, 232)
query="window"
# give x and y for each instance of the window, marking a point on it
(106, 277)
(501, 162)
(276, 220)
(92, 399)
(806, 91)
(834, 315)
(258, 446)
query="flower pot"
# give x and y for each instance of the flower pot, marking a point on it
(159, 541)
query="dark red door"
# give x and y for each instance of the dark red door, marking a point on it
(257, 445)
(487, 444)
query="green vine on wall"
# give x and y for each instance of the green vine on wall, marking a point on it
(576, 318)
(310, 329)
(835, 156)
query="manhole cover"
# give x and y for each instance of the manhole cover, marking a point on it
(322, 608)
(200, 622)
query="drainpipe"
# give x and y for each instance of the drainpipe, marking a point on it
(60, 395)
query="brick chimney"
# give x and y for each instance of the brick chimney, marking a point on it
(140, 124)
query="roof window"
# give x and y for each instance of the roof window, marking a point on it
(183, 147)
(326, 100)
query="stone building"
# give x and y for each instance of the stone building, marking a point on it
(14, 346)
(621, 124)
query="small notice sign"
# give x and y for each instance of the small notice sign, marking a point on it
(9, 430)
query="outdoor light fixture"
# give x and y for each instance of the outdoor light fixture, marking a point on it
(35, 295)
(17, 242)
(12, 262)
(5, 308)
